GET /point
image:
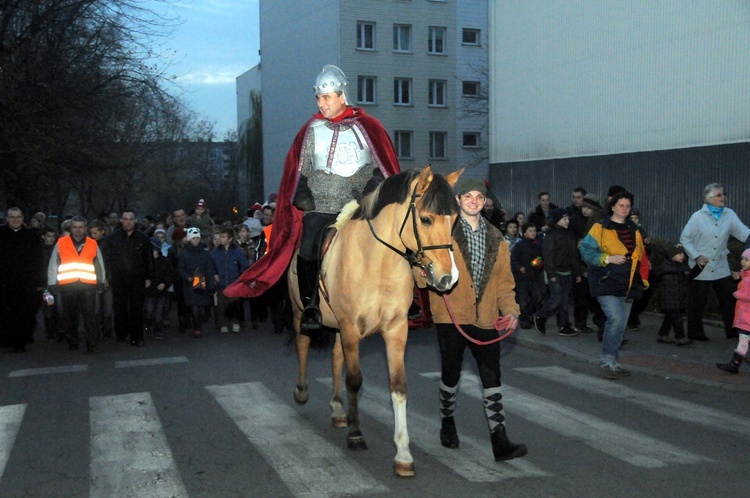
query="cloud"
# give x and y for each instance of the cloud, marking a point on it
(204, 77)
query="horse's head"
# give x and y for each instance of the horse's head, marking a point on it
(433, 212)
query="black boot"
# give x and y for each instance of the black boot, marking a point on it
(502, 448)
(734, 364)
(448, 434)
(307, 276)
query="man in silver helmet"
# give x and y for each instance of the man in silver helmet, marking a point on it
(331, 160)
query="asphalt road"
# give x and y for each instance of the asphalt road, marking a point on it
(214, 417)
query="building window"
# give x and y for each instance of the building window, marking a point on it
(438, 139)
(402, 143)
(436, 93)
(470, 88)
(436, 40)
(470, 36)
(401, 38)
(365, 35)
(366, 89)
(402, 91)
(471, 140)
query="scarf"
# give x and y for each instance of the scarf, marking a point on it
(715, 211)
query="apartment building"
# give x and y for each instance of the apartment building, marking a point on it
(419, 66)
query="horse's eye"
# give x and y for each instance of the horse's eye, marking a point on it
(425, 220)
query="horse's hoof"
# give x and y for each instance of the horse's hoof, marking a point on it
(339, 422)
(404, 469)
(356, 443)
(301, 395)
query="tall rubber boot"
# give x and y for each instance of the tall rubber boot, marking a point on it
(307, 276)
(502, 448)
(734, 364)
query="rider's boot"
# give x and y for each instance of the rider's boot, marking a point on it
(307, 275)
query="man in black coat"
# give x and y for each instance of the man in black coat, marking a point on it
(129, 263)
(22, 277)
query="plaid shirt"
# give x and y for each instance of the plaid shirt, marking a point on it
(477, 244)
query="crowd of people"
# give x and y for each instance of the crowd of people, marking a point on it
(120, 276)
(598, 257)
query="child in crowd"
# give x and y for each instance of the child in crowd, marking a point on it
(104, 306)
(157, 294)
(741, 317)
(161, 234)
(52, 313)
(673, 275)
(244, 242)
(184, 314)
(526, 263)
(196, 273)
(229, 262)
(511, 233)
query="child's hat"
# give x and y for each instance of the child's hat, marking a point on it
(192, 233)
(156, 243)
(558, 214)
(674, 249)
(178, 234)
(201, 204)
(746, 254)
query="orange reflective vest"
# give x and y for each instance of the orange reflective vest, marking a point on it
(76, 267)
(267, 234)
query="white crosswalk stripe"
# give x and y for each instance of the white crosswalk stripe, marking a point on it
(309, 465)
(130, 455)
(10, 421)
(663, 405)
(620, 442)
(474, 461)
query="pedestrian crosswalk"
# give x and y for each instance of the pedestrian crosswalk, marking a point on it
(131, 454)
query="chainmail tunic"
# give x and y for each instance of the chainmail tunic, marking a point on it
(332, 191)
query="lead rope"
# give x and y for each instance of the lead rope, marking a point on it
(501, 323)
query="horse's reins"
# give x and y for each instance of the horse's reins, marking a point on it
(501, 323)
(414, 259)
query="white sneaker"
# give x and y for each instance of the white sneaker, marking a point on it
(236, 328)
(224, 330)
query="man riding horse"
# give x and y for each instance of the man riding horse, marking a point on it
(331, 160)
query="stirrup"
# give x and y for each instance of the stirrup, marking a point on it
(311, 318)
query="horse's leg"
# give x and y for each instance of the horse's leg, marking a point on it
(350, 343)
(301, 393)
(395, 345)
(338, 415)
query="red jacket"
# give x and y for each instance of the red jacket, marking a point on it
(288, 219)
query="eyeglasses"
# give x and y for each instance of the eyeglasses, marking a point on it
(722, 194)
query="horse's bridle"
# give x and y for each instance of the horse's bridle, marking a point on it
(414, 259)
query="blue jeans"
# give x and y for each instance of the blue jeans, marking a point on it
(617, 310)
(558, 299)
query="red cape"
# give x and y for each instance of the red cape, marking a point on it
(287, 224)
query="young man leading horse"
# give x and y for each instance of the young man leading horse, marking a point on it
(484, 290)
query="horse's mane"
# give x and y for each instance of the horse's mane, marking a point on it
(395, 189)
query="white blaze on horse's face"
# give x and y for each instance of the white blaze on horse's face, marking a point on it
(447, 279)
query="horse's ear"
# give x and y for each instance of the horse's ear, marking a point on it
(453, 177)
(425, 178)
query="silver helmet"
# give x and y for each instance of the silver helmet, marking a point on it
(331, 79)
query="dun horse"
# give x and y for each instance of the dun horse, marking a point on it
(401, 232)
